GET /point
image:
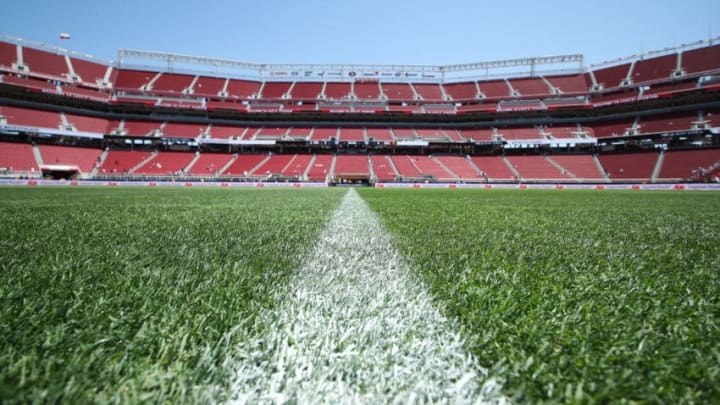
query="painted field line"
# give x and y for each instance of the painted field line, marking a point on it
(355, 326)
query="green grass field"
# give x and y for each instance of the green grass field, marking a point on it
(136, 295)
(115, 294)
(574, 295)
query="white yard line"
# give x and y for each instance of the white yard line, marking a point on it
(355, 326)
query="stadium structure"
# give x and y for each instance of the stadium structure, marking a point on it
(652, 118)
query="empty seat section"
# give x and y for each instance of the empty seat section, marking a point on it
(132, 80)
(382, 167)
(571, 84)
(226, 105)
(88, 124)
(226, 132)
(297, 166)
(337, 91)
(84, 158)
(307, 90)
(209, 86)
(320, 167)
(171, 83)
(617, 97)
(530, 86)
(45, 63)
(461, 91)
(561, 132)
(244, 165)
(34, 84)
(17, 157)
(31, 118)
(582, 166)
(275, 90)
(87, 94)
(405, 133)
(518, 133)
(180, 130)
(669, 88)
(351, 165)
(432, 134)
(89, 72)
(482, 107)
(398, 91)
(430, 167)
(494, 167)
(274, 166)
(429, 91)
(461, 167)
(612, 76)
(324, 134)
(494, 89)
(209, 164)
(270, 133)
(654, 68)
(300, 132)
(688, 164)
(122, 161)
(405, 109)
(611, 128)
(8, 55)
(141, 128)
(352, 134)
(167, 163)
(701, 60)
(478, 134)
(367, 90)
(406, 166)
(536, 168)
(242, 88)
(635, 166)
(668, 122)
(380, 134)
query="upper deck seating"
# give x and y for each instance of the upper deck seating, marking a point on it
(369, 90)
(461, 91)
(307, 90)
(530, 86)
(571, 84)
(657, 68)
(494, 88)
(701, 60)
(275, 90)
(171, 83)
(612, 76)
(398, 91)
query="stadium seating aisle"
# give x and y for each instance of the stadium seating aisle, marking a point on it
(166, 163)
(122, 162)
(537, 168)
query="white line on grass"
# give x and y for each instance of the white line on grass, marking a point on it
(355, 326)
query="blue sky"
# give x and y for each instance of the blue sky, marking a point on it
(367, 31)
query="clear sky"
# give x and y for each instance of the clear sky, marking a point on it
(433, 32)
